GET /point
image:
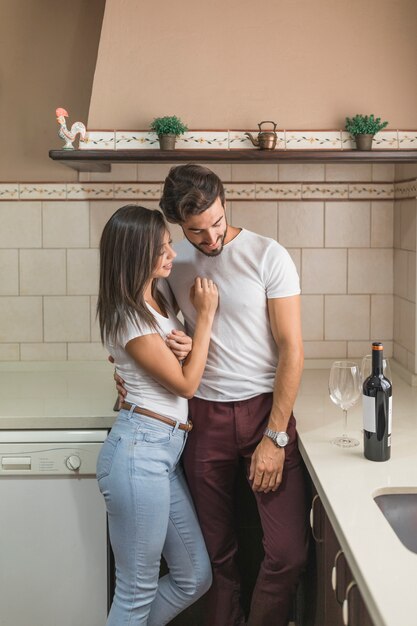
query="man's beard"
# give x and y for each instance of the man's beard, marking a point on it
(215, 252)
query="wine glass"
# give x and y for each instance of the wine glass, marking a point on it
(366, 367)
(345, 390)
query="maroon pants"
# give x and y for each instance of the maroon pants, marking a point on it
(223, 433)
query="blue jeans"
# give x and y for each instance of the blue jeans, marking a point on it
(150, 513)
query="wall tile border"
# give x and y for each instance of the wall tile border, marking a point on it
(137, 191)
(278, 191)
(210, 140)
(407, 139)
(98, 140)
(9, 191)
(405, 189)
(330, 191)
(235, 191)
(235, 139)
(371, 190)
(312, 140)
(126, 140)
(33, 191)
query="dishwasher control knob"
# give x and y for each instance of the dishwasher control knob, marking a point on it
(73, 462)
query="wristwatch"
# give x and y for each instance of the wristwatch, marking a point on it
(280, 439)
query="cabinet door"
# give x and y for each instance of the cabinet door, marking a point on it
(355, 612)
(364, 617)
(315, 592)
(334, 577)
(332, 589)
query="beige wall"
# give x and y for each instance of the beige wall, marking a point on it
(48, 51)
(303, 63)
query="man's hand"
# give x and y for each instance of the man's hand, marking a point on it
(180, 344)
(121, 391)
(120, 388)
(266, 466)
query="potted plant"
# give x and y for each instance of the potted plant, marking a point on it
(168, 128)
(363, 128)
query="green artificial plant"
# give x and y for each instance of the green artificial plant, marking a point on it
(168, 125)
(364, 125)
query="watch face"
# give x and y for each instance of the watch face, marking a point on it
(282, 439)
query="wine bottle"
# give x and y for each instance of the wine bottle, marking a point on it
(377, 409)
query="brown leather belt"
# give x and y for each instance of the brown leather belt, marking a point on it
(167, 420)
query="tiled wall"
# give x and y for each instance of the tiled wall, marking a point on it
(405, 283)
(336, 220)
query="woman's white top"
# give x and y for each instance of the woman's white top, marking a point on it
(142, 389)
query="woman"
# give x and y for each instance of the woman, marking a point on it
(149, 508)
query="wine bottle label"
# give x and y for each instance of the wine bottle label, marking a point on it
(389, 419)
(369, 421)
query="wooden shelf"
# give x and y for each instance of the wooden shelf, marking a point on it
(101, 160)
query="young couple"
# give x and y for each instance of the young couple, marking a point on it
(239, 295)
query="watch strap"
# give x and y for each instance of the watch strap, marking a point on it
(280, 438)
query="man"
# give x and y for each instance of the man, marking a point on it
(243, 407)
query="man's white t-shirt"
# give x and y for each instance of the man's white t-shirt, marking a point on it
(142, 389)
(250, 270)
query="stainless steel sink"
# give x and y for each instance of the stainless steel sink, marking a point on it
(400, 510)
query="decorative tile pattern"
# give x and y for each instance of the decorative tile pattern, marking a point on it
(142, 191)
(9, 191)
(406, 189)
(204, 139)
(99, 140)
(317, 191)
(407, 139)
(31, 191)
(237, 191)
(348, 142)
(237, 139)
(248, 190)
(140, 140)
(385, 140)
(312, 140)
(374, 191)
(87, 191)
(279, 191)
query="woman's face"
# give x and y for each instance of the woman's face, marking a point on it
(166, 256)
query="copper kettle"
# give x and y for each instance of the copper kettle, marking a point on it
(267, 139)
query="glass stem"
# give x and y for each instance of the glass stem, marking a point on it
(344, 422)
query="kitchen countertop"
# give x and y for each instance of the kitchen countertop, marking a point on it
(385, 570)
(51, 395)
(76, 395)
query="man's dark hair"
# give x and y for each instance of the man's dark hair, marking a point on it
(189, 190)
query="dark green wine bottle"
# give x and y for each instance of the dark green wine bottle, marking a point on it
(377, 409)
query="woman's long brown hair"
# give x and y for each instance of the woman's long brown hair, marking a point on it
(129, 248)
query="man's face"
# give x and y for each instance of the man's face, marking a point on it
(207, 231)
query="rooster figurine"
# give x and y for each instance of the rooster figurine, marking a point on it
(69, 136)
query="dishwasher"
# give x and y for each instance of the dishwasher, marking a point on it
(54, 554)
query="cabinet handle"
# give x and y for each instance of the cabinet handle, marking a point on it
(317, 539)
(345, 605)
(334, 575)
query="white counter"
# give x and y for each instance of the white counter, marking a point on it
(56, 395)
(384, 568)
